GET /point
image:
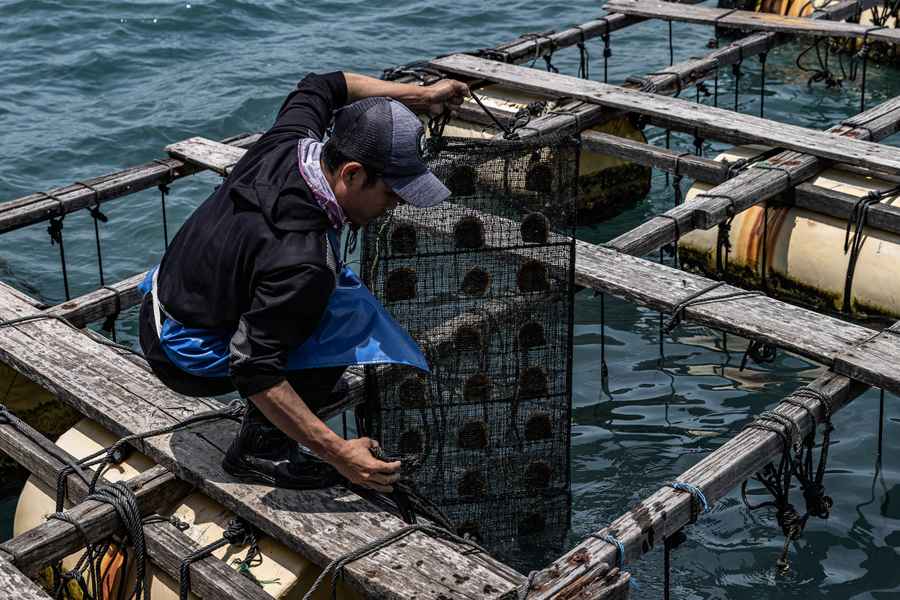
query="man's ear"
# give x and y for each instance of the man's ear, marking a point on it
(351, 172)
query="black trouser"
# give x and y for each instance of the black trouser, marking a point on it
(313, 385)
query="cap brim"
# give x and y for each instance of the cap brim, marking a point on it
(422, 191)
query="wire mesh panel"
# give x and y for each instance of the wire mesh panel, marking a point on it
(484, 283)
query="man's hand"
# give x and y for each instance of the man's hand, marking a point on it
(355, 462)
(444, 96)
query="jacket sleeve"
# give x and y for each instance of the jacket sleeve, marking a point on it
(286, 308)
(308, 109)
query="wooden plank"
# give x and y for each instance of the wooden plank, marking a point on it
(681, 76)
(753, 185)
(35, 208)
(884, 217)
(645, 526)
(874, 360)
(166, 545)
(750, 21)
(16, 585)
(206, 154)
(100, 303)
(739, 127)
(320, 524)
(155, 490)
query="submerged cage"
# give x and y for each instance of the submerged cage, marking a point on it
(485, 283)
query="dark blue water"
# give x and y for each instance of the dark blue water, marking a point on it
(87, 88)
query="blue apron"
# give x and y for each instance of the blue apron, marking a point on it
(354, 330)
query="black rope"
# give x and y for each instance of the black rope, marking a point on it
(853, 244)
(238, 533)
(584, 57)
(671, 46)
(508, 133)
(163, 192)
(714, 42)
(109, 324)
(335, 568)
(604, 369)
(762, 85)
(761, 353)
(697, 298)
(607, 53)
(864, 55)
(880, 423)
(55, 230)
(821, 72)
(98, 217)
(736, 73)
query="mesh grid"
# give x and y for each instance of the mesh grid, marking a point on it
(485, 283)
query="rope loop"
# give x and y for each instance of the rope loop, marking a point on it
(698, 499)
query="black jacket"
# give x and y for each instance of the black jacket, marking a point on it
(253, 261)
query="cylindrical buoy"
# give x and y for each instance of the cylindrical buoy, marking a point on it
(281, 573)
(804, 251)
(606, 184)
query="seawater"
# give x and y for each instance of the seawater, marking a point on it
(90, 87)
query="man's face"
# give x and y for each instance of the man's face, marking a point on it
(361, 202)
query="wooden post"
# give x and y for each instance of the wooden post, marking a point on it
(16, 585)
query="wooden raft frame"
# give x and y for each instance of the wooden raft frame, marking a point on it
(100, 381)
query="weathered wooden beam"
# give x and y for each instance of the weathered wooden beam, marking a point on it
(155, 490)
(682, 75)
(320, 524)
(166, 546)
(38, 207)
(736, 126)
(884, 217)
(100, 303)
(755, 184)
(645, 526)
(16, 585)
(751, 21)
(870, 360)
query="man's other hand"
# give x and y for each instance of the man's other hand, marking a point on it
(445, 95)
(355, 462)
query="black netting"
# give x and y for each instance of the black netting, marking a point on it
(484, 282)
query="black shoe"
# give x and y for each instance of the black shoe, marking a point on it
(262, 453)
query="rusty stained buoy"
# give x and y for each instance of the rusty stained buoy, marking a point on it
(469, 233)
(412, 392)
(401, 285)
(473, 435)
(531, 335)
(411, 442)
(532, 523)
(461, 181)
(472, 485)
(477, 389)
(538, 427)
(535, 228)
(403, 240)
(533, 383)
(532, 277)
(476, 282)
(538, 474)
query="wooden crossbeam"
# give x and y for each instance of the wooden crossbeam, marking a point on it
(751, 21)
(38, 207)
(745, 128)
(752, 186)
(322, 524)
(166, 546)
(645, 526)
(206, 154)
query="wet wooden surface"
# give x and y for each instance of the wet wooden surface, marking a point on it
(16, 585)
(37, 207)
(166, 545)
(723, 123)
(753, 185)
(750, 21)
(321, 525)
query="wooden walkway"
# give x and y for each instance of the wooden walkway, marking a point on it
(724, 124)
(321, 525)
(751, 21)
